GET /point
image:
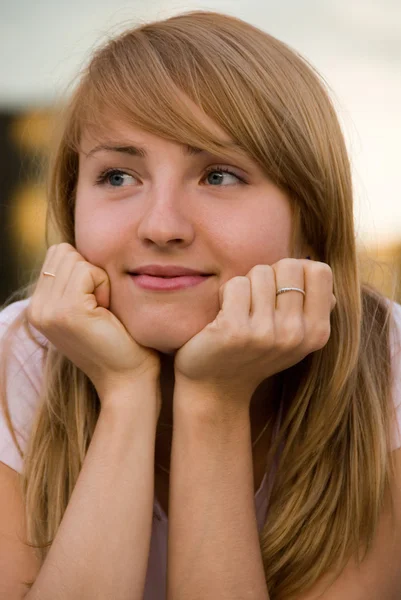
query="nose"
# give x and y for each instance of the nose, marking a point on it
(165, 219)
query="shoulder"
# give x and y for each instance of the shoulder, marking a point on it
(10, 314)
(22, 355)
(23, 346)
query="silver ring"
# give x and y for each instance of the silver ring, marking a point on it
(289, 289)
(47, 273)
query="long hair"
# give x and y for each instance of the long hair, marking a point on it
(334, 470)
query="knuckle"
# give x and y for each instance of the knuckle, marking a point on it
(70, 259)
(260, 269)
(82, 267)
(64, 249)
(265, 335)
(237, 337)
(290, 262)
(238, 280)
(323, 271)
(235, 284)
(65, 246)
(292, 334)
(320, 335)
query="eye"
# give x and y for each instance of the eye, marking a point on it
(216, 176)
(114, 177)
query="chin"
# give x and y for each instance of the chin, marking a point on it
(167, 344)
(166, 329)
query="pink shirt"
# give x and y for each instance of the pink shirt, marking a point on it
(24, 378)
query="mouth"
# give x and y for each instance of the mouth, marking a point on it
(166, 282)
(166, 271)
(166, 276)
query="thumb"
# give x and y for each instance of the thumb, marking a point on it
(101, 286)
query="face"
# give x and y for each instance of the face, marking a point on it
(165, 205)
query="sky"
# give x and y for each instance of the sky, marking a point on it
(354, 44)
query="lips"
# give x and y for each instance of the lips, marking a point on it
(153, 283)
(167, 271)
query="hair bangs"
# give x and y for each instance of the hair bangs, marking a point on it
(143, 93)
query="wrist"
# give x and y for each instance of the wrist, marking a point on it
(130, 395)
(208, 402)
(210, 426)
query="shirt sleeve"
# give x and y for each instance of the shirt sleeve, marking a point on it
(395, 350)
(24, 366)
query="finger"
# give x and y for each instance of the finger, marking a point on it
(263, 293)
(45, 282)
(63, 259)
(44, 290)
(289, 272)
(319, 296)
(236, 302)
(88, 286)
(66, 264)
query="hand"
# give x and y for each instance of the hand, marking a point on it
(256, 334)
(71, 312)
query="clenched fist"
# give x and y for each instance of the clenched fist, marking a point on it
(257, 334)
(71, 311)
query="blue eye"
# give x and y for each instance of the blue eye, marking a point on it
(114, 177)
(217, 175)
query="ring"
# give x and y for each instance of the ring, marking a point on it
(47, 273)
(289, 289)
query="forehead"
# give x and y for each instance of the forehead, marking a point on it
(108, 128)
(188, 124)
(129, 139)
(120, 134)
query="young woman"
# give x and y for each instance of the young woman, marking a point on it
(199, 392)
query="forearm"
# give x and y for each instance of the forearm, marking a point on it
(102, 545)
(213, 547)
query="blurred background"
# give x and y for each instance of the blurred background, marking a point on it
(356, 46)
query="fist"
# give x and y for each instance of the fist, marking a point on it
(257, 333)
(71, 310)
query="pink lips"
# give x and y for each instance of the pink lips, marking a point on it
(150, 282)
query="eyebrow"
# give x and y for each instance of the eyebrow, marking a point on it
(138, 151)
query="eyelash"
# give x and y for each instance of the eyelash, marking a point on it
(102, 178)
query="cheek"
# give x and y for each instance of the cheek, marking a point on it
(272, 240)
(264, 239)
(95, 233)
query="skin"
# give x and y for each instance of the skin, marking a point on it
(166, 209)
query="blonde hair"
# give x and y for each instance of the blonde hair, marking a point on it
(334, 469)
